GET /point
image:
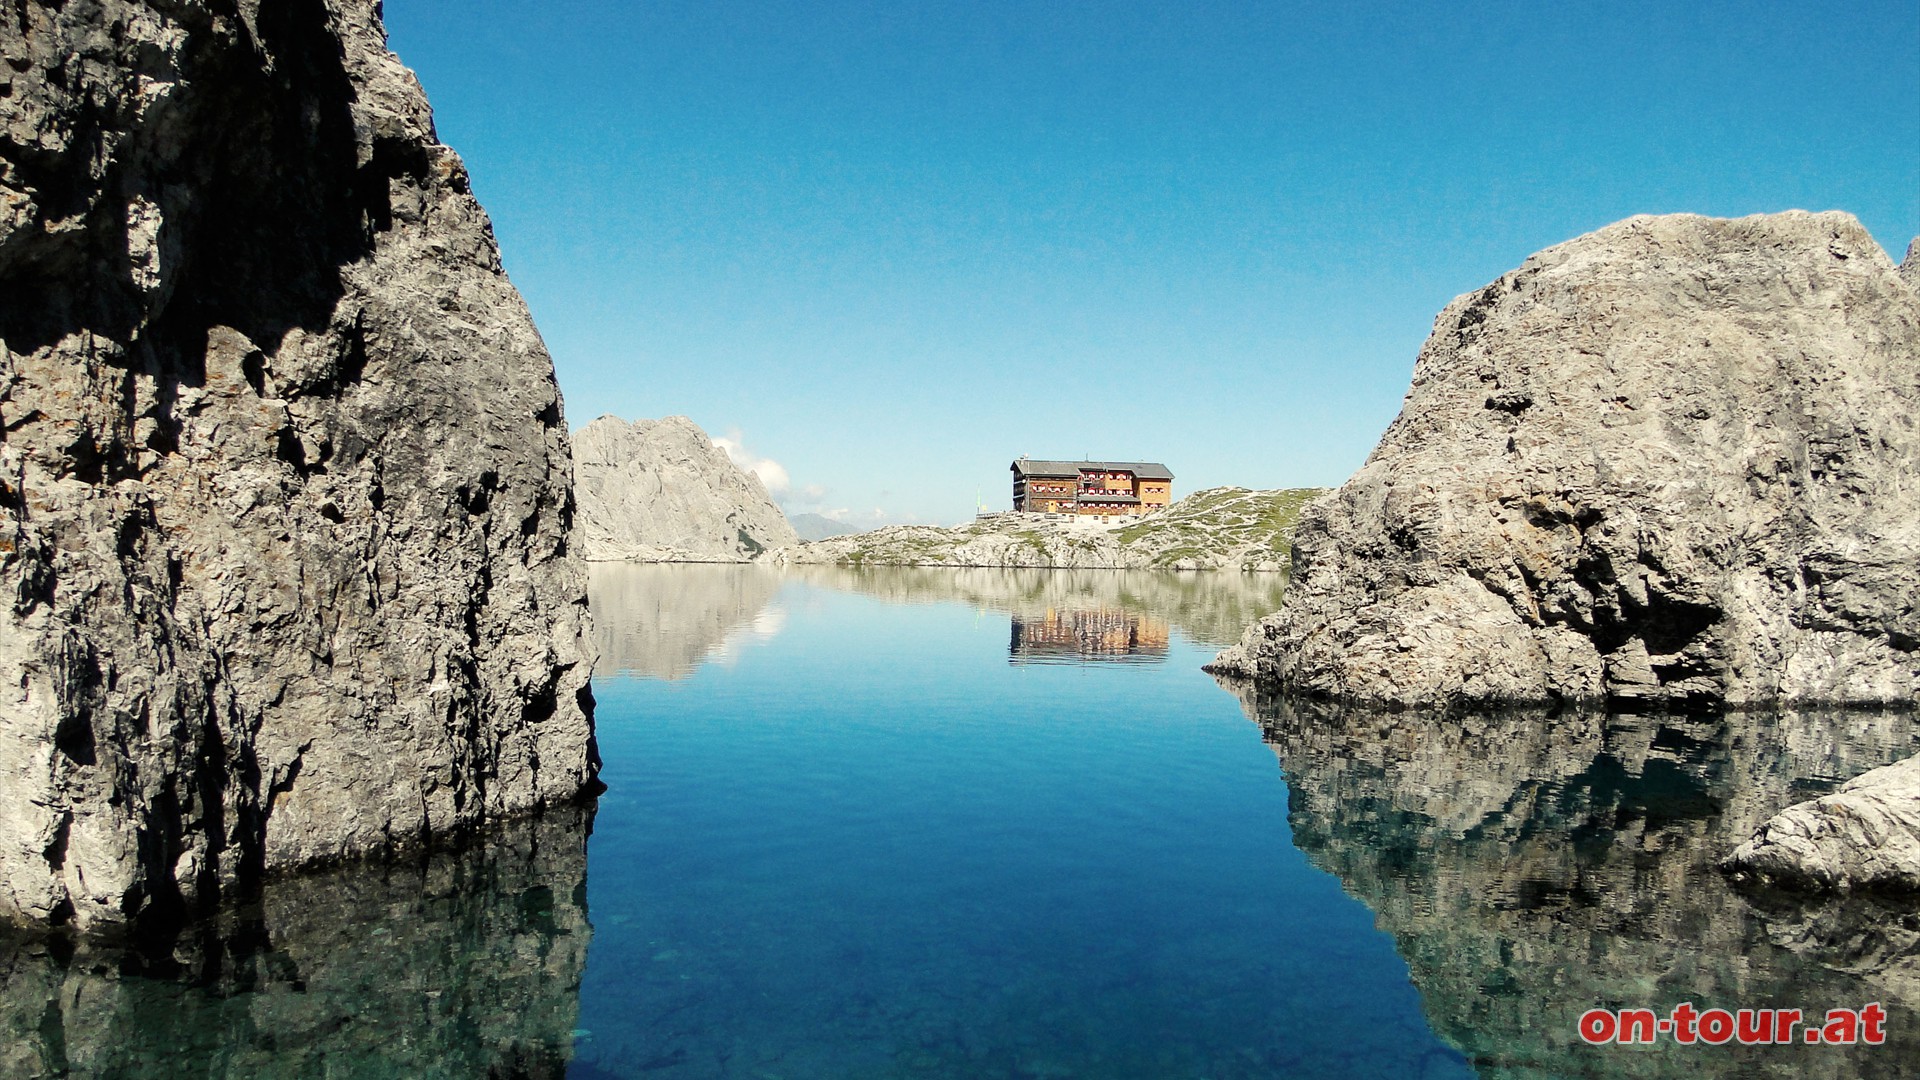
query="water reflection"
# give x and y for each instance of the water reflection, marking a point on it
(1207, 607)
(466, 964)
(1088, 634)
(665, 620)
(1534, 865)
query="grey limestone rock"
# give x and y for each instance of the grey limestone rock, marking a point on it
(1864, 836)
(1674, 461)
(661, 491)
(284, 474)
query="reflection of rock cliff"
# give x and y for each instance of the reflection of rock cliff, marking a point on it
(1670, 460)
(1207, 608)
(286, 480)
(664, 621)
(1532, 866)
(468, 965)
(661, 491)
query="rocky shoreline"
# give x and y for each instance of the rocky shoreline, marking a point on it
(1225, 528)
(1668, 466)
(295, 532)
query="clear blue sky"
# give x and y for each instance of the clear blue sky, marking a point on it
(894, 245)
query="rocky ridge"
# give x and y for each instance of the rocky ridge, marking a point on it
(1670, 462)
(287, 485)
(661, 491)
(1222, 528)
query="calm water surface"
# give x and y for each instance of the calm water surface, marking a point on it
(960, 823)
(969, 823)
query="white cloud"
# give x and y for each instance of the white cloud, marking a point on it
(771, 473)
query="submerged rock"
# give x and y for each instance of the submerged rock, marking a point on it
(1864, 836)
(661, 491)
(1672, 461)
(286, 481)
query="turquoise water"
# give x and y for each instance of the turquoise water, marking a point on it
(871, 837)
(973, 823)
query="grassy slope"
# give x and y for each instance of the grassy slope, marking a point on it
(1257, 524)
(1228, 528)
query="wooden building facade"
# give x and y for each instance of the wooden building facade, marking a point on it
(1099, 488)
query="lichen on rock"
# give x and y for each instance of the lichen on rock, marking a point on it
(284, 473)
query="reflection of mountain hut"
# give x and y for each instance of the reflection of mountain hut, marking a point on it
(1099, 634)
(1098, 488)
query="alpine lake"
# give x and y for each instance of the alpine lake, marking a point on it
(895, 822)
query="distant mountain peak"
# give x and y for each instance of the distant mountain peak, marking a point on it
(662, 491)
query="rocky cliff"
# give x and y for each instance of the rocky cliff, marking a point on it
(1224, 528)
(285, 480)
(1672, 461)
(661, 491)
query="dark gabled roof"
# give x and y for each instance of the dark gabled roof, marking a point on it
(1145, 470)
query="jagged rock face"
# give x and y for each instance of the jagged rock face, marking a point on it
(1864, 836)
(1533, 864)
(661, 491)
(286, 480)
(1671, 461)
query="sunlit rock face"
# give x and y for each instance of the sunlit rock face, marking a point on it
(1864, 836)
(1533, 865)
(1668, 462)
(467, 964)
(284, 475)
(662, 491)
